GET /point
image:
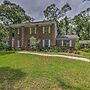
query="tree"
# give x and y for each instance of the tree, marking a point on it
(54, 13)
(35, 43)
(10, 13)
(3, 37)
(82, 22)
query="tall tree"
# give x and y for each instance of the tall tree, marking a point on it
(3, 36)
(54, 13)
(11, 13)
(82, 22)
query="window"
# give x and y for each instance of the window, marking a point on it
(18, 42)
(62, 43)
(43, 43)
(28, 43)
(35, 30)
(49, 43)
(30, 30)
(49, 29)
(18, 31)
(70, 43)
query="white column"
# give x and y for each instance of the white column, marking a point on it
(12, 42)
(62, 43)
(43, 43)
(49, 43)
(22, 36)
(70, 43)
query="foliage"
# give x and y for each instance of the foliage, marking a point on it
(77, 45)
(10, 13)
(3, 37)
(54, 13)
(79, 25)
(35, 43)
(54, 49)
(85, 49)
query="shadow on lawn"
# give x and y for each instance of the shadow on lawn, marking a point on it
(9, 76)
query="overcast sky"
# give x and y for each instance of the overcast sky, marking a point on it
(35, 8)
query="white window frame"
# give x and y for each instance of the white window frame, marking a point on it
(18, 31)
(70, 42)
(62, 43)
(30, 30)
(18, 43)
(43, 43)
(49, 29)
(49, 43)
(43, 29)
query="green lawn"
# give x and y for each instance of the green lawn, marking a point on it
(31, 72)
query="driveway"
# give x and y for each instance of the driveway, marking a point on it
(64, 56)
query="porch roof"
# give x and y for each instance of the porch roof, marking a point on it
(67, 37)
(84, 42)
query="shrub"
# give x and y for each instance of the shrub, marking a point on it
(86, 49)
(53, 49)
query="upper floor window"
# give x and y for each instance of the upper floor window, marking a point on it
(46, 29)
(35, 30)
(30, 30)
(49, 29)
(18, 31)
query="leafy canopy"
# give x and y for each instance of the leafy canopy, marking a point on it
(54, 13)
(10, 13)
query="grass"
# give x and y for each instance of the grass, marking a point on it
(31, 72)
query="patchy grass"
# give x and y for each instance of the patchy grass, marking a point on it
(31, 72)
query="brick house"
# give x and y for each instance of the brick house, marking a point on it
(20, 35)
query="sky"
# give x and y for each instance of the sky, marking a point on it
(35, 8)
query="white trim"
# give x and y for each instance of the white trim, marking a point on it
(43, 29)
(30, 30)
(12, 42)
(70, 43)
(49, 43)
(43, 43)
(62, 43)
(49, 29)
(18, 43)
(18, 31)
(56, 30)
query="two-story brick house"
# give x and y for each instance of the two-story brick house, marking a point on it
(20, 35)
